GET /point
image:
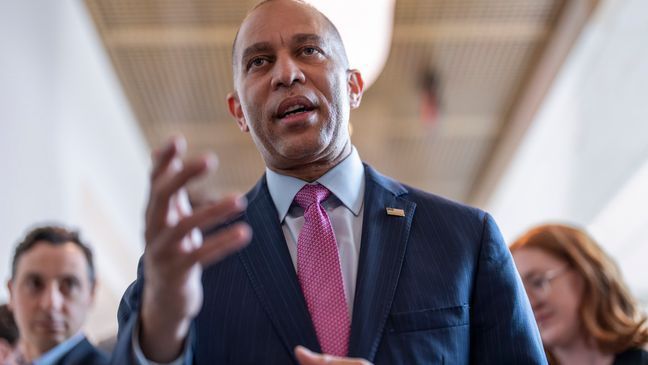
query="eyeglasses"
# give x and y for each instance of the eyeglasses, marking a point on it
(540, 285)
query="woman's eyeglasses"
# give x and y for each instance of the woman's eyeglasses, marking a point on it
(540, 284)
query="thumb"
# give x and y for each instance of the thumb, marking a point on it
(308, 357)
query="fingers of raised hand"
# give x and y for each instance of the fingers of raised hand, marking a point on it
(167, 186)
(163, 157)
(219, 245)
(208, 216)
(174, 242)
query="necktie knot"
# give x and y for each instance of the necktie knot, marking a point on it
(311, 194)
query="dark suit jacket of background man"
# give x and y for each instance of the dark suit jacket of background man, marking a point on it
(435, 286)
(84, 353)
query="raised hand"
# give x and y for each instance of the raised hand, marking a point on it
(175, 252)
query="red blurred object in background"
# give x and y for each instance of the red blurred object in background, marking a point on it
(429, 100)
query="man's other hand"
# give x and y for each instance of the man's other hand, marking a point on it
(307, 357)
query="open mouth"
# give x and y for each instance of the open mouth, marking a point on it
(294, 106)
(295, 109)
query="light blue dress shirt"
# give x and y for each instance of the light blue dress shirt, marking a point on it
(344, 207)
(58, 351)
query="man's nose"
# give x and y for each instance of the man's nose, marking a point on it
(286, 72)
(52, 297)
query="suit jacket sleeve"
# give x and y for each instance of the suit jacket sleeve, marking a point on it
(503, 328)
(128, 318)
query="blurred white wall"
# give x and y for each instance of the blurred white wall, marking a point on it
(585, 158)
(70, 149)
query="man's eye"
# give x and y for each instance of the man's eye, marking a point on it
(70, 283)
(309, 51)
(256, 62)
(34, 284)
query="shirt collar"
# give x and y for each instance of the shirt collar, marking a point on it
(57, 352)
(345, 181)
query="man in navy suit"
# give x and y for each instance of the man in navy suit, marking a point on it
(425, 280)
(52, 289)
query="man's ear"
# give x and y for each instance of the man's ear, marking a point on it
(356, 87)
(93, 291)
(11, 295)
(234, 106)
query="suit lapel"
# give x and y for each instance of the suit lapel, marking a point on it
(79, 354)
(384, 239)
(272, 274)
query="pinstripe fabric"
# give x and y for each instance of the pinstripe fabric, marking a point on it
(83, 353)
(437, 286)
(382, 253)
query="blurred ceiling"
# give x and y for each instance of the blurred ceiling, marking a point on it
(489, 57)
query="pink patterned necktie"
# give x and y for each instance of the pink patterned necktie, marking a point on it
(319, 273)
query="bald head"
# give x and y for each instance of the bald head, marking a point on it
(316, 14)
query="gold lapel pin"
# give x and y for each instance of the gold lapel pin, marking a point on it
(395, 212)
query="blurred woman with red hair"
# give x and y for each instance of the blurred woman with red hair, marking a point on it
(585, 313)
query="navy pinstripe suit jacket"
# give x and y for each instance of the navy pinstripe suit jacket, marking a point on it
(84, 353)
(437, 286)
